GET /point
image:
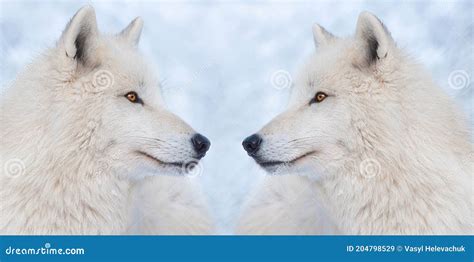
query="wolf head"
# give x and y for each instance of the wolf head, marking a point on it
(357, 97)
(94, 97)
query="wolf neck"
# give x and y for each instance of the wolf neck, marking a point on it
(83, 195)
(400, 193)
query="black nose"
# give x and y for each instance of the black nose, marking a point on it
(252, 144)
(201, 144)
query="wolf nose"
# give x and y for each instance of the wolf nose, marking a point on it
(252, 144)
(201, 144)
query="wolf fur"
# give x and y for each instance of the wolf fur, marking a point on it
(73, 146)
(387, 151)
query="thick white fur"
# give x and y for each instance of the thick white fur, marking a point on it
(389, 152)
(181, 210)
(285, 205)
(70, 140)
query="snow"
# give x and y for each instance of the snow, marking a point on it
(216, 61)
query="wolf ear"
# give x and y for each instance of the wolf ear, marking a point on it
(321, 36)
(80, 36)
(374, 38)
(132, 32)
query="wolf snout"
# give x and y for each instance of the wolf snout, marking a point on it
(252, 144)
(200, 144)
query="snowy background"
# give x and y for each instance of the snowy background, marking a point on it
(217, 60)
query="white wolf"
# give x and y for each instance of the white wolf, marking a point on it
(80, 129)
(384, 150)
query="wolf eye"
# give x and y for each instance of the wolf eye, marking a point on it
(318, 98)
(133, 97)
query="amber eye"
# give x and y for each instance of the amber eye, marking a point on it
(319, 97)
(133, 97)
